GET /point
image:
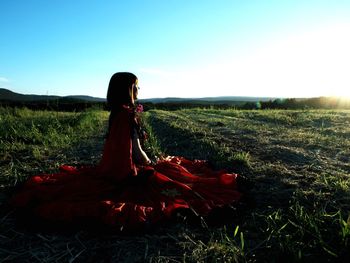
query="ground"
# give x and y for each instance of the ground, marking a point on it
(297, 210)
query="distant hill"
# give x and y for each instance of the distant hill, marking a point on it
(86, 98)
(8, 95)
(82, 102)
(208, 100)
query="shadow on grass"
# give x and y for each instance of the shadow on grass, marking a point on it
(192, 145)
(272, 185)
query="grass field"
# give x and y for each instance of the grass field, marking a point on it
(298, 161)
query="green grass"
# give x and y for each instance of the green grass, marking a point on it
(299, 161)
(31, 140)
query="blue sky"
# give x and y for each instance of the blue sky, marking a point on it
(182, 48)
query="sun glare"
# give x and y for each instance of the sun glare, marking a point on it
(345, 99)
(309, 63)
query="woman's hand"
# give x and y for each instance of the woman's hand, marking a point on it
(138, 153)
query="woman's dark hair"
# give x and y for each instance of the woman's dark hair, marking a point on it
(120, 90)
(119, 93)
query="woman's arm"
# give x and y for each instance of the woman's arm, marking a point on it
(139, 155)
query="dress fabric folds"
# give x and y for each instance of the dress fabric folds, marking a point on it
(118, 193)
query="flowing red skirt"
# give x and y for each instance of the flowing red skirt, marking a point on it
(119, 194)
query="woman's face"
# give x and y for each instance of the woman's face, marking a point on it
(135, 90)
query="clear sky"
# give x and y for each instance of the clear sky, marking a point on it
(177, 48)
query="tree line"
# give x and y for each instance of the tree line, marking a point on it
(78, 105)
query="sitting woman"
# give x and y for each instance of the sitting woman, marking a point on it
(125, 190)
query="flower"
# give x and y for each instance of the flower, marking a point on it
(139, 108)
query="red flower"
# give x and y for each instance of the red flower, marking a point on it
(139, 108)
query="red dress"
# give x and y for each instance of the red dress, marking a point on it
(117, 193)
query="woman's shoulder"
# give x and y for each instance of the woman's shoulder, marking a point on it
(122, 109)
(123, 112)
(127, 108)
(127, 111)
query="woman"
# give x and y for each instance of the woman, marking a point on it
(125, 190)
(122, 147)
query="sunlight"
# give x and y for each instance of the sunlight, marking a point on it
(344, 100)
(314, 63)
(304, 64)
(308, 63)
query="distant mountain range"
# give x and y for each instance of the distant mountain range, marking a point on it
(209, 100)
(10, 96)
(82, 102)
